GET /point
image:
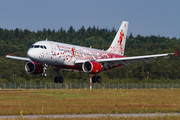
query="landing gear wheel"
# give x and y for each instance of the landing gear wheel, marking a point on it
(94, 79)
(56, 79)
(60, 80)
(43, 74)
(98, 79)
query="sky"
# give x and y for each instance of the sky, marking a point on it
(146, 17)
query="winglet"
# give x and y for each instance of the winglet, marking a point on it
(176, 53)
(9, 54)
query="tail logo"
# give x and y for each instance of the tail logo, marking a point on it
(118, 44)
(120, 40)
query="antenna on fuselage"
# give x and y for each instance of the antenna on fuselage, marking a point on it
(46, 39)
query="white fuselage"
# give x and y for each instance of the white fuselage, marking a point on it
(55, 53)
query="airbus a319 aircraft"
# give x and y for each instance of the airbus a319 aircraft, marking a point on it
(71, 57)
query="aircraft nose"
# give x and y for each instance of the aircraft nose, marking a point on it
(30, 53)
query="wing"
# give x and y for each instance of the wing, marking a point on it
(126, 60)
(18, 58)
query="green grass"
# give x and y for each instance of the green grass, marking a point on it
(104, 118)
(81, 101)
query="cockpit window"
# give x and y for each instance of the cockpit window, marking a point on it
(45, 47)
(39, 46)
(36, 46)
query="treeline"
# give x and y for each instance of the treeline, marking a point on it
(164, 69)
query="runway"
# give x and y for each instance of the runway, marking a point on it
(92, 115)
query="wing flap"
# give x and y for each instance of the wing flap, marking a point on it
(134, 59)
(125, 60)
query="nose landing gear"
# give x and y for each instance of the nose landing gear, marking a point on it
(44, 70)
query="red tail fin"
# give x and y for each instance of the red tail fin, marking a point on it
(176, 53)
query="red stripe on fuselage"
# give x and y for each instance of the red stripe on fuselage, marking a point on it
(76, 67)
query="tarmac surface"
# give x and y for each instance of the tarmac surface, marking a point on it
(91, 115)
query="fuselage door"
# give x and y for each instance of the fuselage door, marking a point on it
(53, 48)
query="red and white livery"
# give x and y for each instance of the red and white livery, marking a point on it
(92, 61)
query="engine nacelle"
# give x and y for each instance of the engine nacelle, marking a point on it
(91, 67)
(33, 68)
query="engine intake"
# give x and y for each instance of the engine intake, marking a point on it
(33, 68)
(91, 67)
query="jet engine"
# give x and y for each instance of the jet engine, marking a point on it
(33, 68)
(91, 67)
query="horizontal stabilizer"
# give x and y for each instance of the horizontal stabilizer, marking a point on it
(176, 53)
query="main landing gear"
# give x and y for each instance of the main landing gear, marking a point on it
(58, 78)
(96, 79)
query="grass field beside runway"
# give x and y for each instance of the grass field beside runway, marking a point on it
(81, 101)
(103, 118)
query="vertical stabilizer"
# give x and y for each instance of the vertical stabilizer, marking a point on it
(118, 44)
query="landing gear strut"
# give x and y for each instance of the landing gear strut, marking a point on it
(96, 79)
(58, 78)
(44, 70)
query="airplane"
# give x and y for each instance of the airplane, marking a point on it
(72, 57)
